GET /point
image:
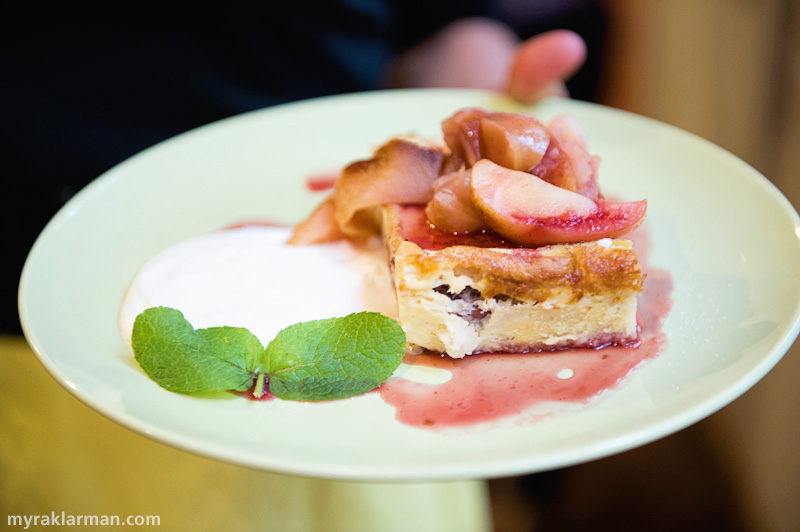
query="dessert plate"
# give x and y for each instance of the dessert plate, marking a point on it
(729, 239)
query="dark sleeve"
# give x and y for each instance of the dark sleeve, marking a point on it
(83, 89)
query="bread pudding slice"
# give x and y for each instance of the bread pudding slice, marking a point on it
(466, 294)
(500, 239)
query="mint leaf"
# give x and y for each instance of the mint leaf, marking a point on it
(312, 361)
(334, 358)
(183, 360)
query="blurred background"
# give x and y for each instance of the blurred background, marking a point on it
(726, 70)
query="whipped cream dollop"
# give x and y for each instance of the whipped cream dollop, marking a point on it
(248, 277)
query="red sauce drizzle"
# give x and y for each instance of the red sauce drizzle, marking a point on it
(253, 223)
(266, 396)
(321, 182)
(415, 227)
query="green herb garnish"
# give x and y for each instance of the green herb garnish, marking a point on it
(312, 361)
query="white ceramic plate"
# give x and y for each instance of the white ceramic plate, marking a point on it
(729, 238)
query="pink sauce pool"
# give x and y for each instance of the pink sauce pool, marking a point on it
(489, 387)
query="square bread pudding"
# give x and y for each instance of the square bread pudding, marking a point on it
(499, 238)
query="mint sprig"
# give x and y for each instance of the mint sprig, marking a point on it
(312, 361)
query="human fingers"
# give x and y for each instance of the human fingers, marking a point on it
(542, 64)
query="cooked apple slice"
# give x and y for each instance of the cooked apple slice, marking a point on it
(513, 140)
(451, 209)
(531, 212)
(567, 162)
(400, 171)
(318, 228)
(461, 134)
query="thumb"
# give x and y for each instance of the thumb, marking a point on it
(542, 63)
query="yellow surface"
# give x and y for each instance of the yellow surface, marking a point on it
(58, 455)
